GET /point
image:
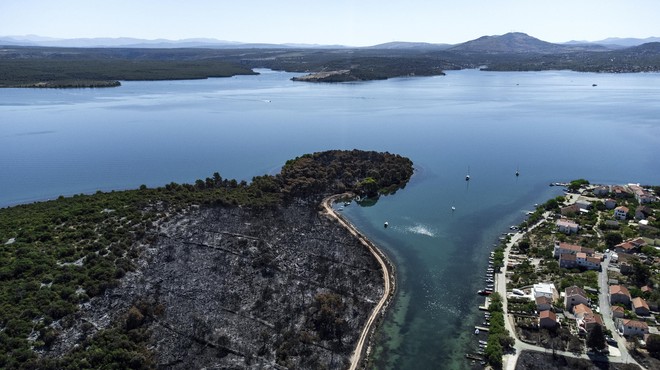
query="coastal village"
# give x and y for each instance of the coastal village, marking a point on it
(579, 279)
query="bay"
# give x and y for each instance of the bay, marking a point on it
(551, 126)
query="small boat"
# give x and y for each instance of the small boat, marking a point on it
(385, 225)
(517, 172)
(453, 208)
(483, 342)
(594, 85)
(485, 292)
(476, 331)
(467, 177)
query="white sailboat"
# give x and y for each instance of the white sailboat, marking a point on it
(467, 177)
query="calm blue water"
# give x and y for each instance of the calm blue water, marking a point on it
(552, 126)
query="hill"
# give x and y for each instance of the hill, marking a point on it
(514, 42)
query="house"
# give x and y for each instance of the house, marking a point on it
(621, 213)
(588, 262)
(580, 310)
(618, 312)
(547, 319)
(638, 242)
(625, 247)
(620, 191)
(590, 320)
(583, 205)
(565, 248)
(567, 227)
(571, 210)
(632, 327)
(610, 203)
(545, 290)
(619, 294)
(601, 191)
(640, 306)
(568, 261)
(543, 303)
(643, 196)
(574, 295)
(643, 212)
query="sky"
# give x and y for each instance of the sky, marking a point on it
(344, 22)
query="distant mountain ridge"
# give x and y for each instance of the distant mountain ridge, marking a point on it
(514, 42)
(518, 42)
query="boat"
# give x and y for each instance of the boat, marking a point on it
(385, 225)
(467, 177)
(517, 172)
(483, 342)
(485, 292)
(476, 331)
(453, 208)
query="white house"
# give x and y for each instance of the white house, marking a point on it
(567, 227)
(642, 196)
(545, 290)
(632, 327)
(621, 212)
(573, 296)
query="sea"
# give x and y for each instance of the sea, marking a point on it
(552, 126)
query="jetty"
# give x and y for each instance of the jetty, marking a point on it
(481, 328)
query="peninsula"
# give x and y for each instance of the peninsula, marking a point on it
(215, 273)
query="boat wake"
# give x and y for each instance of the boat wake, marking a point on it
(421, 229)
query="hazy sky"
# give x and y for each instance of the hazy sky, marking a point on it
(355, 23)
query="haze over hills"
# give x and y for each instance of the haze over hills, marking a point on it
(510, 42)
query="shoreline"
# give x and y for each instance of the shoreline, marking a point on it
(363, 346)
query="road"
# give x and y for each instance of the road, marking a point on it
(509, 361)
(604, 307)
(388, 278)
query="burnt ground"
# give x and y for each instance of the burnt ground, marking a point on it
(532, 360)
(241, 288)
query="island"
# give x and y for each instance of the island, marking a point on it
(577, 282)
(215, 273)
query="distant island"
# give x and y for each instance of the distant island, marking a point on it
(37, 66)
(215, 273)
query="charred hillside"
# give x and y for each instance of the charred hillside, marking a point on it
(218, 273)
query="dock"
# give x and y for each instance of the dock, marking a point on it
(481, 328)
(473, 356)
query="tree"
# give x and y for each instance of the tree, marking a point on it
(576, 184)
(596, 338)
(612, 239)
(653, 345)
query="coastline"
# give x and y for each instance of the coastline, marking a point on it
(363, 346)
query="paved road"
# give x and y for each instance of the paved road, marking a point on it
(604, 307)
(387, 278)
(519, 346)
